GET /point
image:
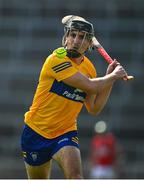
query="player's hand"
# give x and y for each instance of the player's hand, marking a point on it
(112, 66)
(119, 72)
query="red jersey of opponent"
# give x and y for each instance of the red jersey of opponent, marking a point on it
(103, 149)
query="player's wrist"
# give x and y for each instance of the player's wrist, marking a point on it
(112, 77)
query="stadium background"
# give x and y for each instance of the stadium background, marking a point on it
(29, 31)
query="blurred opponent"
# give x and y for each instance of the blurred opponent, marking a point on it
(105, 153)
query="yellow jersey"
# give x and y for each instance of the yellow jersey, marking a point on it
(56, 105)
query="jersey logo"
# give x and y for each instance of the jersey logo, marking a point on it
(63, 140)
(61, 66)
(75, 139)
(34, 156)
(24, 154)
(68, 92)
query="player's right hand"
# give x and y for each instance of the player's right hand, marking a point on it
(112, 66)
(119, 72)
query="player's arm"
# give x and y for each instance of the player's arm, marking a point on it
(90, 86)
(95, 85)
(95, 103)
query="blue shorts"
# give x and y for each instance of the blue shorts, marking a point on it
(37, 149)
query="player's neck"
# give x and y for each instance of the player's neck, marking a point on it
(78, 60)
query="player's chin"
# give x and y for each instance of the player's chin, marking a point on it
(72, 53)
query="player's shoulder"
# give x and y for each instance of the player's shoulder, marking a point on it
(57, 56)
(88, 62)
(90, 66)
(60, 52)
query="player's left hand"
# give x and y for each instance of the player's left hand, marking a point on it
(112, 66)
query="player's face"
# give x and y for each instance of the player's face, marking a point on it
(78, 40)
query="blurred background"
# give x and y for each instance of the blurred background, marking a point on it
(29, 31)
